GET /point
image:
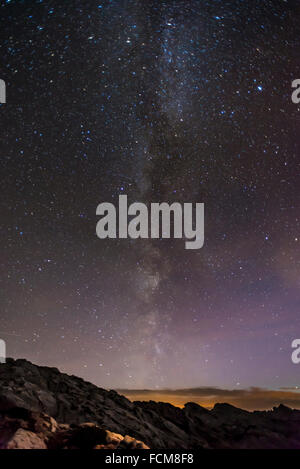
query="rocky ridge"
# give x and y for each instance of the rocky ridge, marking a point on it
(71, 405)
(22, 429)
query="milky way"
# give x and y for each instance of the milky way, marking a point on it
(178, 101)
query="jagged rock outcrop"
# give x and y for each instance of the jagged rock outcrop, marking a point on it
(23, 429)
(72, 401)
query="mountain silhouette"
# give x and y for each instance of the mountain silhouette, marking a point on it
(42, 407)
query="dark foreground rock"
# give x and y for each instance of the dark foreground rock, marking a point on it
(23, 429)
(68, 402)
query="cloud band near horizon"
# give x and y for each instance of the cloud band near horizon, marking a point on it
(250, 399)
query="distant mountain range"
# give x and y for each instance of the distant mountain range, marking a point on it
(42, 407)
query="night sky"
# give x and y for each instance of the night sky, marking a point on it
(186, 101)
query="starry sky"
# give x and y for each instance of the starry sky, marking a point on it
(186, 101)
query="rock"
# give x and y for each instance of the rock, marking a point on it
(56, 408)
(86, 436)
(45, 424)
(24, 439)
(22, 429)
(131, 443)
(113, 438)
